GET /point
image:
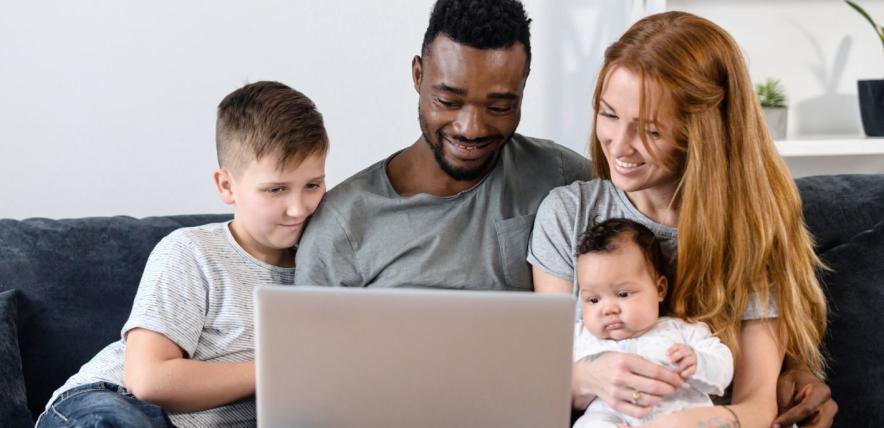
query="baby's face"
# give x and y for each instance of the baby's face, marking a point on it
(619, 291)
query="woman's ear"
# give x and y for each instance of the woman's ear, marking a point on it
(224, 183)
(662, 287)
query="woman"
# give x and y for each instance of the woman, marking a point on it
(680, 145)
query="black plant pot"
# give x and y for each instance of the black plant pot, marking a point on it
(871, 106)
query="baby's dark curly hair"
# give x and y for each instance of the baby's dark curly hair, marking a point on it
(482, 24)
(601, 239)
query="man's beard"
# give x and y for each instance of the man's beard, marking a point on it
(459, 174)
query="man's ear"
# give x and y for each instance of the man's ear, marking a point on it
(224, 183)
(417, 72)
(662, 287)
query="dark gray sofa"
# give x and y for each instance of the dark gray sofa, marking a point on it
(75, 281)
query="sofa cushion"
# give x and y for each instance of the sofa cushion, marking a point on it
(855, 292)
(77, 279)
(13, 399)
(838, 207)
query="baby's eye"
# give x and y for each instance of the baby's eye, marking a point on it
(593, 300)
(623, 294)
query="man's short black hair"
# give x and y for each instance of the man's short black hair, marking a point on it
(601, 238)
(482, 24)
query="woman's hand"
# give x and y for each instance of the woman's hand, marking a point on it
(628, 383)
(805, 400)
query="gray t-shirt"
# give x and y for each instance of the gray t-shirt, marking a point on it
(570, 210)
(366, 234)
(197, 291)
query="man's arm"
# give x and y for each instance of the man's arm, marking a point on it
(156, 370)
(804, 399)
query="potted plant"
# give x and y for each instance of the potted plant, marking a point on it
(871, 91)
(772, 97)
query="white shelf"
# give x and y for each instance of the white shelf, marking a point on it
(830, 145)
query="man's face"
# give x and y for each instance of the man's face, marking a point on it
(470, 103)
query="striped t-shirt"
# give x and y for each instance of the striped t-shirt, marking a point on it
(197, 291)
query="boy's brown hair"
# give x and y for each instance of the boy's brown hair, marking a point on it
(267, 118)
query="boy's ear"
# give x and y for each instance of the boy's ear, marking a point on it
(662, 287)
(224, 184)
(417, 72)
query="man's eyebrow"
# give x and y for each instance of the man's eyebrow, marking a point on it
(446, 88)
(503, 96)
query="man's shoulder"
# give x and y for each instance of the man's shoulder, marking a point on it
(543, 147)
(372, 179)
(545, 159)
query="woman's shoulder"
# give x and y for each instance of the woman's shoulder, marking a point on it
(582, 192)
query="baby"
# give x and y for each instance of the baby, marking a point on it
(620, 276)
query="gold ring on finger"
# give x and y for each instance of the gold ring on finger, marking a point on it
(636, 395)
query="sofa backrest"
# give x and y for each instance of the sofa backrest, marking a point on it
(76, 279)
(846, 216)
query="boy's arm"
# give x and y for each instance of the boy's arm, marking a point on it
(715, 362)
(325, 254)
(156, 370)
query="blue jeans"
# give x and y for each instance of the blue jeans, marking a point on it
(102, 404)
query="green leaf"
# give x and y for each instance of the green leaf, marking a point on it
(879, 30)
(771, 93)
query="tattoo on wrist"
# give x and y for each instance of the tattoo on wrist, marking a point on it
(716, 423)
(590, 358)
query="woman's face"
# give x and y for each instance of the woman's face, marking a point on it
(633, 168)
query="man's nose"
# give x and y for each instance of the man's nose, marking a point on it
(470, 123)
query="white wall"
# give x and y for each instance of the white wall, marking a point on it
(108, 107)
(817, 48)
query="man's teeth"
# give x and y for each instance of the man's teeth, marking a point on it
(623, 164)
(469, 148)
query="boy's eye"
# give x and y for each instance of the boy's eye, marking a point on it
(312, 186)
(275, 190)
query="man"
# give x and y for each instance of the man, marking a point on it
(455, 209)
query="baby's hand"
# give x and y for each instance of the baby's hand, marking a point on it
(684, 357)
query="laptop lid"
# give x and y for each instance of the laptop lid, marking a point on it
(341, 357)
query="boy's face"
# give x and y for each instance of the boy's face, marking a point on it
(272, 205)
(619, 291)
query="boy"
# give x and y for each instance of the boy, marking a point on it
(186, 356)
(621, 280)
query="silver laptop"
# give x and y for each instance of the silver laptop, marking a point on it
(341, 357)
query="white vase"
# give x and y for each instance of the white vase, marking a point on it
(776, 118)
